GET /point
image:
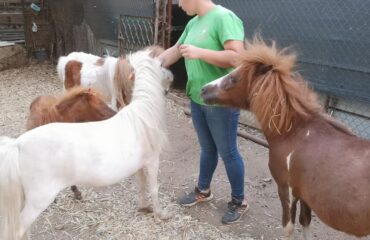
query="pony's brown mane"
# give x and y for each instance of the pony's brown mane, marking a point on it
(279, 98)
(122, 83)
(77, 91)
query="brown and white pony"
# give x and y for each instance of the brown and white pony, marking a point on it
(113, 77)
(77, 105)
(314, 159)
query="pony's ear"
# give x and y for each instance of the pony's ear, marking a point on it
(100, 62)
(90, 92)
(262, 69)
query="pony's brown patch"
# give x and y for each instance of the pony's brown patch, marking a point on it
(72, 74)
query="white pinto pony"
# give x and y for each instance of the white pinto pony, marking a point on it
(36, 166)
(111, 76)
(89, 70)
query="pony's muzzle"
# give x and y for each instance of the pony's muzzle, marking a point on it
(209, 93)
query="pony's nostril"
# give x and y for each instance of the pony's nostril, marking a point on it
(203, 91)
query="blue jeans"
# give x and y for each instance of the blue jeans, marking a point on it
(216, 128)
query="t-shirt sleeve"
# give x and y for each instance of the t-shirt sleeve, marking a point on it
(230, 28)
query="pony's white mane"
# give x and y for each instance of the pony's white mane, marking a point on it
(148, 100)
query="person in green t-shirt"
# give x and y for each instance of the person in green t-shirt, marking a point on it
(210, 44)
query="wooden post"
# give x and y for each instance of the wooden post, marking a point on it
(156, 23)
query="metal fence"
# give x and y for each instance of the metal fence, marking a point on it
(135, 32)
(104, 17)
(332, 39)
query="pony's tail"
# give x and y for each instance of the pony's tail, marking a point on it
(11, 190)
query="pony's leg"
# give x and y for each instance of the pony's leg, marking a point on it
(26, 236)
(152, 175)
(76, 192)
(305, 220)
(36, 202)
(289, 206)
(144, 206)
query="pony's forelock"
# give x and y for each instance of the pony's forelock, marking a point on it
(277, 96)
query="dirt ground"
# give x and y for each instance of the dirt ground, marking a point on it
(110, 213)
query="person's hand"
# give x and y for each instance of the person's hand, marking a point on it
(190, 51)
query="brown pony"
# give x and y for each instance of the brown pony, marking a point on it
(314, 159)
(77, 105)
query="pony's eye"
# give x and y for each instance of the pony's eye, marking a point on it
(233, 79)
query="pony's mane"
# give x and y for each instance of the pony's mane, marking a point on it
(279, 98)
(78, 91)
(122, 84)
(148, 100)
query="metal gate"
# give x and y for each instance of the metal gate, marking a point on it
(138, 31)
(135, 32)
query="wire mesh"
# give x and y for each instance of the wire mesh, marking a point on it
(332, 39)
(135, 32)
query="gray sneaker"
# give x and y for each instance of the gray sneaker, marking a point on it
(235, 210)
(195, 197)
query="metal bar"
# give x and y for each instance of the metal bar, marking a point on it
(169, 25)
(156, 24)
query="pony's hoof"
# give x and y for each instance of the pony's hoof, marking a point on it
(78, 196)
(147, 209)
(163, 215)
(76, 192)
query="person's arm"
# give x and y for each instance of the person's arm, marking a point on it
(225, 59)
(170, 55)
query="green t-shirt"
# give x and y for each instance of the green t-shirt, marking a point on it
(210, 31)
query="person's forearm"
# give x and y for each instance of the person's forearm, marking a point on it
(223, 59)
(170, 56)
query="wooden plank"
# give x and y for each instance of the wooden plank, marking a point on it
(11, 1)
(15, 8)
(5, 44)
(12, 18)
(11, 30)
